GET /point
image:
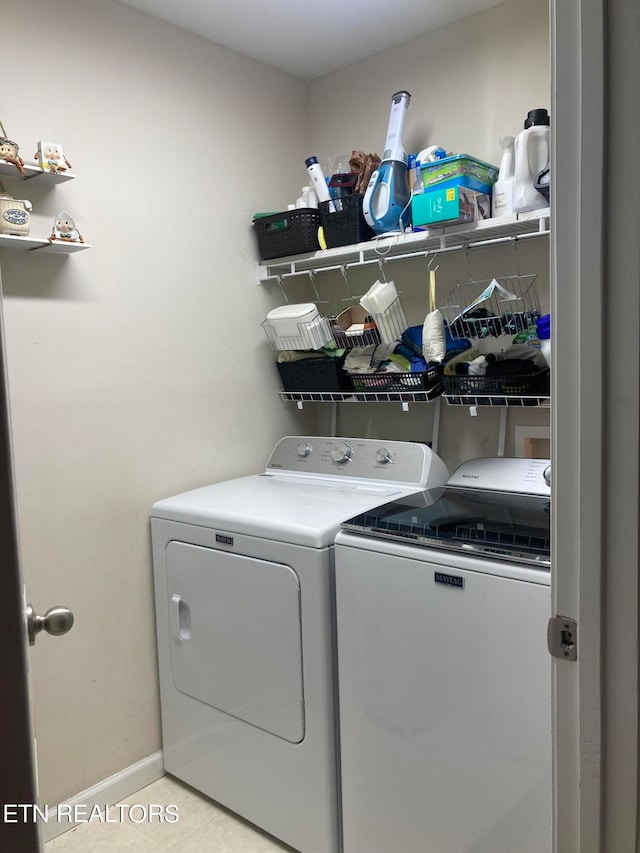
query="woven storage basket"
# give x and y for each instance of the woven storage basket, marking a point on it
(292, 232)
(313, 374)
(347, 224)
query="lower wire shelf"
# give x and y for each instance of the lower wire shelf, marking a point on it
(421, 396)
(496, 400)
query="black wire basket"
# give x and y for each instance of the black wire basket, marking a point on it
(385, 381)
(493, 388)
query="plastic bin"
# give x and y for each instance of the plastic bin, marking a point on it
(461, 170)
(496, 387)
(385, 381)
(347, 224)
(292, 232)
(313, 374)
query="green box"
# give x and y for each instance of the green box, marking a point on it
(450, 205)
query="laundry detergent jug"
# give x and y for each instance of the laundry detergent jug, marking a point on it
(532, 152)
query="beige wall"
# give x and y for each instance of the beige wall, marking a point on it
(138, 368)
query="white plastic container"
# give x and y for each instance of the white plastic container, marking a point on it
(502, 193)
(297, 327)
(532, 151)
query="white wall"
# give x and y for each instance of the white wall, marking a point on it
(137, 368)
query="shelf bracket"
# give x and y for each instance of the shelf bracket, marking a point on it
(435, 434)
(334, 420)
(502, 433)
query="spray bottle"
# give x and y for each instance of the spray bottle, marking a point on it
(386, 201)
(502, 192)
(532, 151)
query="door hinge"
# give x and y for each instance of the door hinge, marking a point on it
(562, 637)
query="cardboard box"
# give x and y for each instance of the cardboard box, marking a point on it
(450, 206)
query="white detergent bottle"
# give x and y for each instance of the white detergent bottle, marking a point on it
(532, 151)
(502, 192)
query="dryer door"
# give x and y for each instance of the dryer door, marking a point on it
(236, 636)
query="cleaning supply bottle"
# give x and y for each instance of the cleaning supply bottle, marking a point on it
(503, 189)
(532, 151)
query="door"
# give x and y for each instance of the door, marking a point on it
(17, 754)
(18, 627)
(236, 636)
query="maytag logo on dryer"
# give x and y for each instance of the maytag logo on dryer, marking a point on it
(471, 476)
(224, 540)
(449, 580)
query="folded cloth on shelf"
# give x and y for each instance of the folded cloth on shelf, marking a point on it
(412, 339)
(330, 350)
(367, 359)
(287, 355)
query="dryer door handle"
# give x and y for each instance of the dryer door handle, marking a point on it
(179, 618)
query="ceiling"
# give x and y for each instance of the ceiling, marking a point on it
(305, 38)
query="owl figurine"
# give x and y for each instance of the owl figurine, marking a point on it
(64, 228)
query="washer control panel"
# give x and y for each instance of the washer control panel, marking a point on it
(526, 476)
(359, 459)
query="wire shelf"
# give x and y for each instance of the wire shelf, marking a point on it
(495, 400)
(423, 396)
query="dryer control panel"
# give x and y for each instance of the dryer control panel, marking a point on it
(405, 462)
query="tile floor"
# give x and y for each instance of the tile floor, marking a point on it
(203, 827)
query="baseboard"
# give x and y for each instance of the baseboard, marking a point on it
(106, 793)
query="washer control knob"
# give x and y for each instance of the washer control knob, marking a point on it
(341, 452)
(383, 455)
(547, 475)
(303, 450)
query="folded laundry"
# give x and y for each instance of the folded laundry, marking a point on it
(367, 359)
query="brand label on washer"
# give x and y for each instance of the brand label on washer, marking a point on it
(225, 540)
(448, 580)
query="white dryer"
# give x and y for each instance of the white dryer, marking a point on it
(443, 599)
(244, 588)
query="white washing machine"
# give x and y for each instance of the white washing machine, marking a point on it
(243, 574)
(443, 600)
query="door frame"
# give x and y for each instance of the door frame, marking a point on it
(595, 419)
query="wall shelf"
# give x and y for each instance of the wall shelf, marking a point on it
(8, 170)
(415, 245)
(405, 397)
(495, 400)
(29, 244)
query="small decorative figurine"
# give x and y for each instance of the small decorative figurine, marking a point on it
(50, 157)
(64, 228)
(9, 153)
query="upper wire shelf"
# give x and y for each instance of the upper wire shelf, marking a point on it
(486, 232)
